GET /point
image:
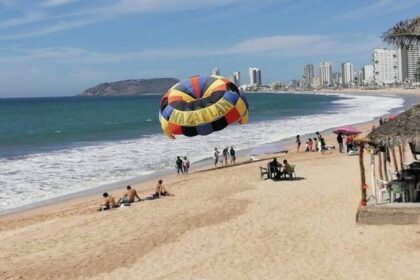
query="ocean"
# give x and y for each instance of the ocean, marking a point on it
(51, 147)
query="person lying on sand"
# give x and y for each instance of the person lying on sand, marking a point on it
(129, 196)
(109, 202)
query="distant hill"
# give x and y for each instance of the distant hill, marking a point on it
(131, 87)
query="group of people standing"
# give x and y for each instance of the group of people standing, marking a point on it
(223, 157)
(349, 141)
(182, 165)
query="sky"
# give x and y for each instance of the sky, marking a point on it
(61, 47)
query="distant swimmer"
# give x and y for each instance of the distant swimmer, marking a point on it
(129, 196)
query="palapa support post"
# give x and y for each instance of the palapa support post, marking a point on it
(394, 159)
(381, 175)
(363, 201)
(373, 175)
(384, 164)
(401, 157)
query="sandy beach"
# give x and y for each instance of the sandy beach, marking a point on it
(222, 223)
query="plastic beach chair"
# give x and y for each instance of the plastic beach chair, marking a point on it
(264, 173)
(384, 187)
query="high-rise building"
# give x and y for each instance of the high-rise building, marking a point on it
(336, 81)
(347, 73)
(308, 75)
(386, 66)
(316, 82)
(368, 76)
(325, 74)
(237, 78)
(255, 76)
(216, 71)
(409, 59)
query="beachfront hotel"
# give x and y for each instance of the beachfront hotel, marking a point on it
(347, 73)
(255, 76)
(386, 66)
(409, 63)
(325, 74)
(368, 76)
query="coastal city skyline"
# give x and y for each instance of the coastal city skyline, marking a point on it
(61, 47)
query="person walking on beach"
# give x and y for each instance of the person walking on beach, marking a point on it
(232, 155)
(316, 143)
(216, 156)
(225, 154)
(340, 141)
(179, 165)
(186, 165)
(298, 142)
(129, 196)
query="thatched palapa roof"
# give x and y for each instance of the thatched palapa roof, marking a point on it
(405, 128)
(405, 33)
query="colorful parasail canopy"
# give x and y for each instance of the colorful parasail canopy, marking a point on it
(201, 105)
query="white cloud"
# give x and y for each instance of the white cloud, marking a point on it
(57, 3)
(22, 20)
(380, 7)
(85, 13)
(60, 26)
(279, 45)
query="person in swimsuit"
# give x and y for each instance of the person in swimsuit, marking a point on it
(129, 196)
(109, 202)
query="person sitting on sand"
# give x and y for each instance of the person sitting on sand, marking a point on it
(109, 202)
(287, 168)
(129, 196)
(158, 189)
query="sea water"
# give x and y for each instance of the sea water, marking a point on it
(50, 147)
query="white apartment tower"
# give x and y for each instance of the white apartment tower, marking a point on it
(216, 71)
(386, 66)
(368, 76)
(409, 59)
(237, 78)
(325, 74)
(255, 76)
(347, 73)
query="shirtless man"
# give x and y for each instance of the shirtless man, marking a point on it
(109, 202)
(158, 189)
(129, 196)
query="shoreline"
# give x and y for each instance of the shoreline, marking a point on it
(206, 163)
(350, 91)
(223, 217)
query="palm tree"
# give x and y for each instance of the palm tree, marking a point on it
(405, 33)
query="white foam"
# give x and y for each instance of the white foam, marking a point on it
(42, 176)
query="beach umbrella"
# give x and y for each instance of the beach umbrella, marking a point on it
(391, 117)
(347, 130)
(405, 33)
(201, 105)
